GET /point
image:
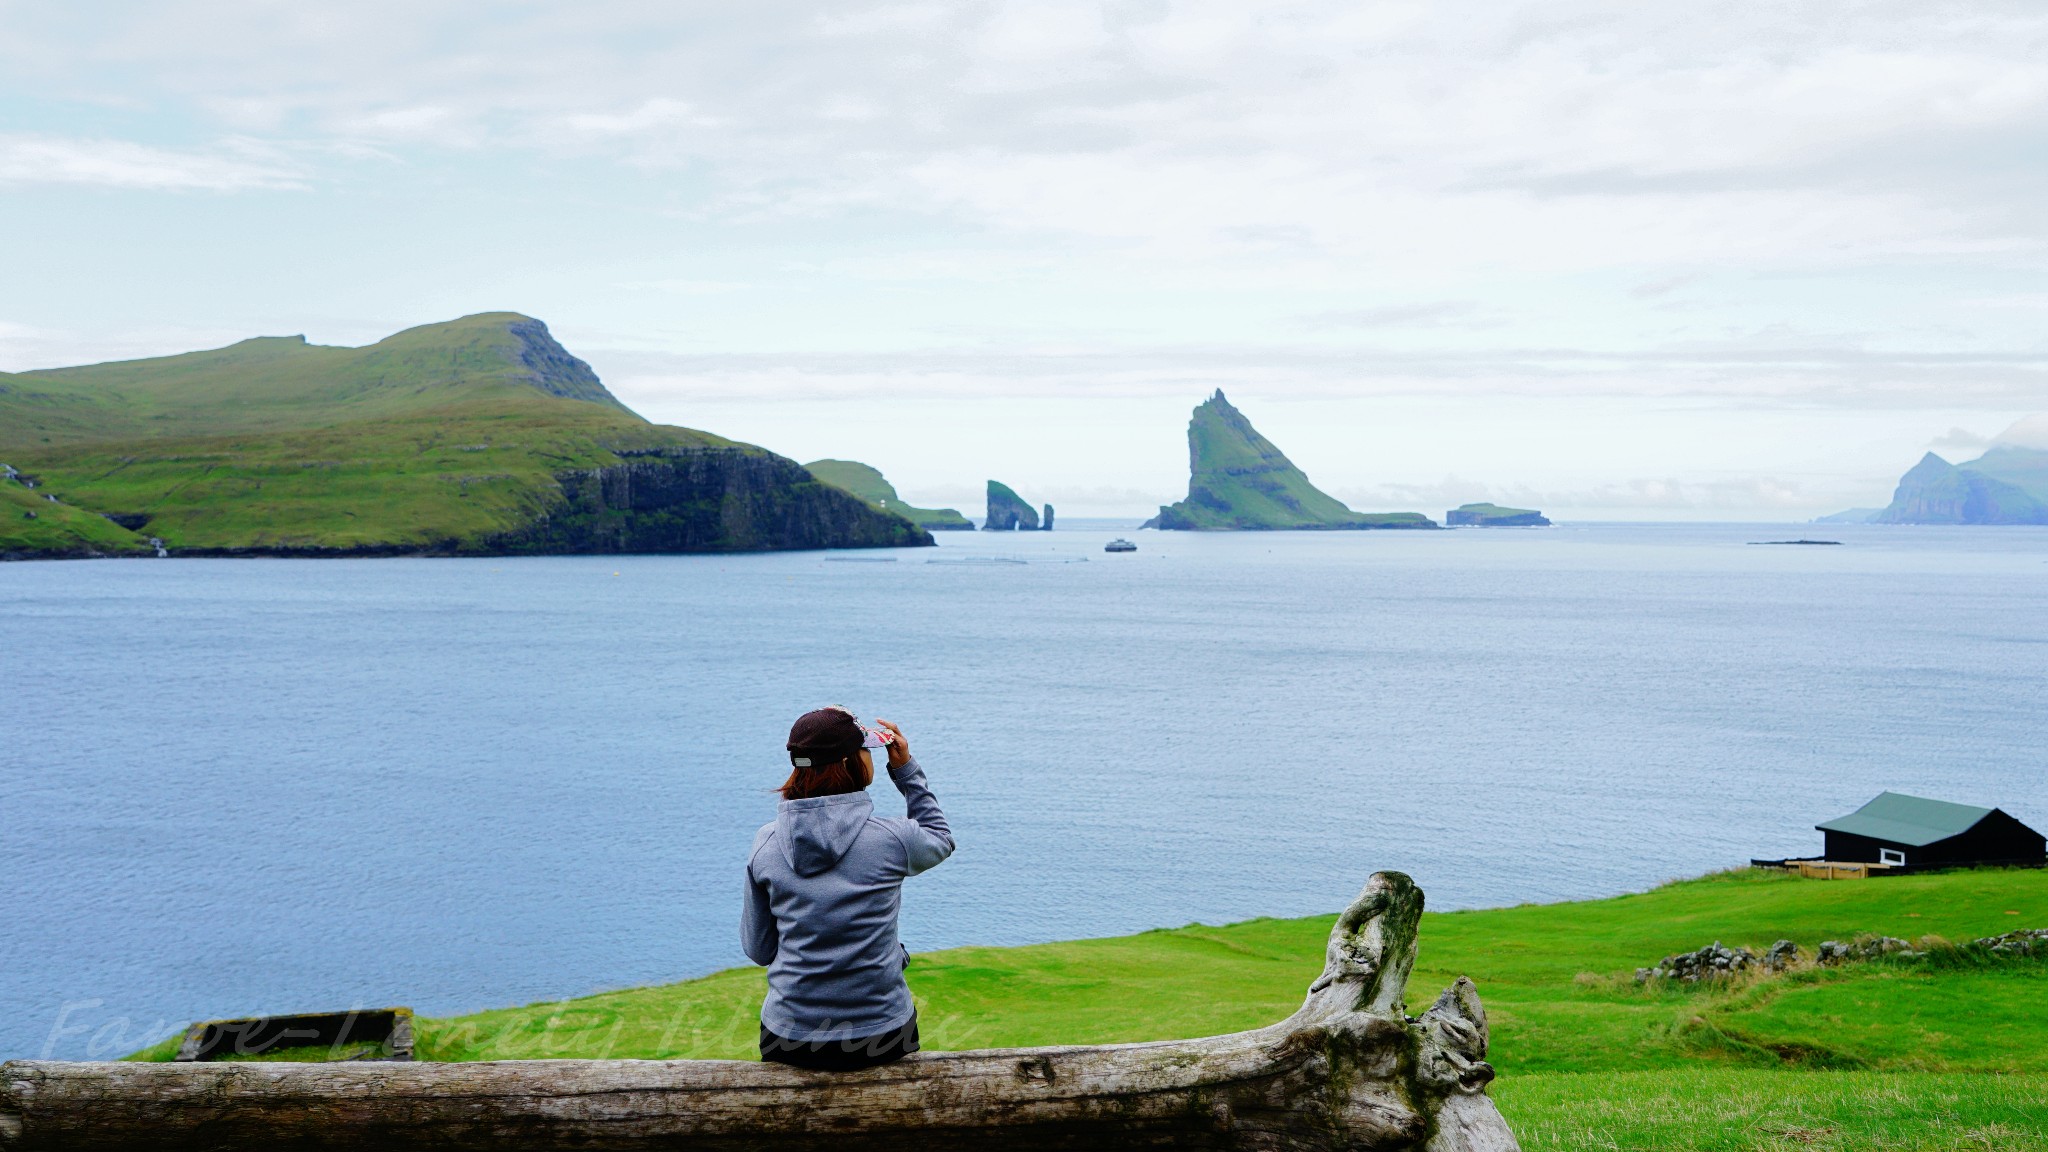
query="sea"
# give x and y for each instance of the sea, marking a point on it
(234, 787)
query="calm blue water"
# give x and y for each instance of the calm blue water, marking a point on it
(235, 787)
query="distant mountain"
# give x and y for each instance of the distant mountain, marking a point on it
(478, 436)
(869, 484)
(1494, 516)
(1851, 516)
(1237, 480)
(2008, 484)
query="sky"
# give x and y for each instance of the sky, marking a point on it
(1719, 260)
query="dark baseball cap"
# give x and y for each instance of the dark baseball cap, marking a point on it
(825, 736)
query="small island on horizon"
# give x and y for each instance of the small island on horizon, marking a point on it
(1494, 516)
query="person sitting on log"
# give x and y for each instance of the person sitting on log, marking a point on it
(824, 885)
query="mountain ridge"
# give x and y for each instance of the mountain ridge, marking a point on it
(2007, 484)
(467, 436)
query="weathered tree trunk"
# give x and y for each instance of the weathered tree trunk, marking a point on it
(1349, 1071)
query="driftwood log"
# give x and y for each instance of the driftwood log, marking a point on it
(1349, 1071)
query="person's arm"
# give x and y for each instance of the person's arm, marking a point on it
(758, 934)
(931, 841)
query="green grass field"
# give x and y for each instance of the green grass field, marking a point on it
(1907, 1054)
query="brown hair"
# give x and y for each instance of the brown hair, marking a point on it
(849, 775)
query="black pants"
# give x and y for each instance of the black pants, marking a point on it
(846, 1055)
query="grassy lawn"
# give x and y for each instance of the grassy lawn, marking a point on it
(58, 528)
(1740, 1110)
(1874, 1055)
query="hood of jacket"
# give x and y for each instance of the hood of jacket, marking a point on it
(815, 832)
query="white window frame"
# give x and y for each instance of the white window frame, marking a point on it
(1890, 856)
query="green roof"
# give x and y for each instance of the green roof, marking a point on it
(1910, 820)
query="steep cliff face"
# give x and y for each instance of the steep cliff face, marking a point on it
(704, 500)
(1935, 491)
(1007, 511)
(1238, 480)
(554, 369)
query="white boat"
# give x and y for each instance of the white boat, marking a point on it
(1119, 545)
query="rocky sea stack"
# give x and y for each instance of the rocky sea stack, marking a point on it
(1008, 511)
(1238, 481)
(480, 436)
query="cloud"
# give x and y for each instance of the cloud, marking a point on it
(1812, 376)
(1959, 438)
(2029, 432)
(1664, 285)
(1648, 494)
(1437, 314)
(1600, 134)
(648, 116)
(33, 159)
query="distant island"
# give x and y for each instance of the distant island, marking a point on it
(479, 436)
(1494, 516)
(1238, 481)
(1009, 512)
(2008, 484)
(869, 484)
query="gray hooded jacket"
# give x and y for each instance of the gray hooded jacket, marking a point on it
(824, 883)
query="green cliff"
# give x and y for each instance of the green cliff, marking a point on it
(1239, 481)
(478, 436)
(869, 484)
(2006, 485)
(1494, 516)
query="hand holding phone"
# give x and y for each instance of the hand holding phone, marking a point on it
(893, 738)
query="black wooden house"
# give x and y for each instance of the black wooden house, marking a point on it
(1904, 830)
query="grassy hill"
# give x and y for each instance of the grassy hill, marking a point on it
(479, 435)
(870, 485)
(1881, 1054)
(1238, 480)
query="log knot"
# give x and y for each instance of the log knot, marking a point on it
(1451, 1042)
(1371, 949)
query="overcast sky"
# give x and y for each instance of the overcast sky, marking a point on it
(1719, 259)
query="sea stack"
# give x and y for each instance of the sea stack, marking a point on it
(1045, 524)
(1238, 481)
(1007, 511)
